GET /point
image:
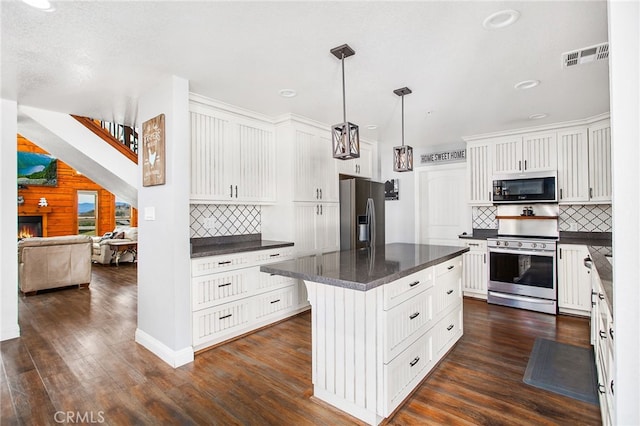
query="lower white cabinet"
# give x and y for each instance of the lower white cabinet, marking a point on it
(474, 269)
(574, 280)
(603, 335)
(231, 297)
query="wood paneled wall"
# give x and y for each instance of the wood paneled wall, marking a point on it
(63, 199)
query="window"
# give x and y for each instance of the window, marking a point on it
(123, 213)
(87, 212)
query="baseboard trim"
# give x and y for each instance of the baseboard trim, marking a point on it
(162, 351)
(10, 332)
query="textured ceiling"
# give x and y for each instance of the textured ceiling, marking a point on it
(97, 58)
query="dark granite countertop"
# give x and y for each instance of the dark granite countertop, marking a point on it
(212, 246)
(480, 234)
(602, 239)
(605, 272)
(365, 269)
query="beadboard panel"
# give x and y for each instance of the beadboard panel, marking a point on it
(257, 171)
(540, 152)
(573, 172)
(600, 163)
(208, 136)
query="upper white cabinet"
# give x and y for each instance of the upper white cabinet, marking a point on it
(584, 164)
(479, 173)
(232, 158)
(315, 177)
(361, 166)
(532, 152)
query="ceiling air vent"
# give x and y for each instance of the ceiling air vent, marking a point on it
(585, 55)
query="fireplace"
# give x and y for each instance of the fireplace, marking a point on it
(29, 226)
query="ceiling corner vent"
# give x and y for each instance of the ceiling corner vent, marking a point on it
(599, 52)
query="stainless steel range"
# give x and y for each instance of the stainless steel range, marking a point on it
(522, 260)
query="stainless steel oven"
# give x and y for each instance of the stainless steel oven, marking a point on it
(522, 273)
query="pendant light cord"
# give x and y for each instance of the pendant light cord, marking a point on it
(344, 100)
(403, 120)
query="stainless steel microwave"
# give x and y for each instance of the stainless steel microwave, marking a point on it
(535, 187)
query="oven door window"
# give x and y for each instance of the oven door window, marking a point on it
(523, 269)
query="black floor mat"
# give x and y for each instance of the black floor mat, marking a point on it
(565, 369)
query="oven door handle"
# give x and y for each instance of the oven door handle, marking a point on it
(526, 252)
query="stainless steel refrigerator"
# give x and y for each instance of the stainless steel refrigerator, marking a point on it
(361, 214)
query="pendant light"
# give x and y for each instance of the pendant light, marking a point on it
(345, 136)
(402, 155)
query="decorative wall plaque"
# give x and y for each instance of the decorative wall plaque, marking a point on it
(153, 152)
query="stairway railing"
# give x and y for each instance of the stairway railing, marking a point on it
(121, 137)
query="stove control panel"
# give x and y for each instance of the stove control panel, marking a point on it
(521, 244)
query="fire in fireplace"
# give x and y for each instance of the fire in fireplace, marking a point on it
(29, 226)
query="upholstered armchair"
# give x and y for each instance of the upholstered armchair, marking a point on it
(103, 254)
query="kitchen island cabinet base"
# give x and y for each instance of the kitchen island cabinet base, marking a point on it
(349, 370)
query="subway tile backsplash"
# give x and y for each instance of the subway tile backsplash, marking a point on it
(579, 218)
(212, 220)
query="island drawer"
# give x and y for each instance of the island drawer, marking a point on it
(405, 322)
(405, 288)
(448, 268)
(447, 330)
(403, 373)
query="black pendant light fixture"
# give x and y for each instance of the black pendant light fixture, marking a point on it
(402, 155)
(345, 136)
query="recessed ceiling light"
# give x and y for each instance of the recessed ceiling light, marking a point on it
(44, 5)
(501, 19)
(287, 93)
(372, 127)
(429, 113)
(537, 116)
(526, 84)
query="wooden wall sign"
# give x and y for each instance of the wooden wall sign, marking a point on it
(153, 152)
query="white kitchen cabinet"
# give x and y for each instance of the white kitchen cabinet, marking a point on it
(474, 269)
(479, 170)
(231, 297)
(232, 158)
(317, 227)
(584, 164)
(574, 280)
(531, 152)
(315, 175)
(600, 162)
(361, 166)
(603, 331)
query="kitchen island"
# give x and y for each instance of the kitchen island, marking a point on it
(382, 318)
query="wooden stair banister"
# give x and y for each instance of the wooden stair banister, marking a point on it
(104, 134)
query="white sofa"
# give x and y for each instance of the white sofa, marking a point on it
(103, 254)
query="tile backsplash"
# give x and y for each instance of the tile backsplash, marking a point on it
(212, 220)
(578, 217)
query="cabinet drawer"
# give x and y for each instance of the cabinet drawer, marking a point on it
(405, 288)
(274, 255)
(447, 293)
(406, 321)
(263, 281)
(275, 301)
(214, 289)
(447, 330)
(212, 264)
(450, 267)
(209, 323)
(403, 373)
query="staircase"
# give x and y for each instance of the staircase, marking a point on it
(80, 141)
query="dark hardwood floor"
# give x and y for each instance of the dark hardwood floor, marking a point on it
(77, 361)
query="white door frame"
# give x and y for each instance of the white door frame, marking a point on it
(437, 168)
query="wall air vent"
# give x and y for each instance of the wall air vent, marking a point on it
(585, 55)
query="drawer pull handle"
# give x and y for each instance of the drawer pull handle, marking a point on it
(601, 389)
(603, 334)
(473, 244)
(274, 255)
(611, 332)
(450, 267)
(415, 361)
(271, 275)
(600, 296)
(611, 387)
(450, 291)
(450, 327)
(275, 301)
(412, 316)
(225, 316)
(224, 285)
(226, 262)
(415, 283)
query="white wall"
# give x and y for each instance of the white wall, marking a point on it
(164, 305)
(624, 45)
(9, 327)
